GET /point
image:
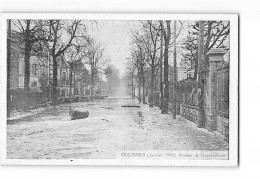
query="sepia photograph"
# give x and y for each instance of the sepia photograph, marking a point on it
(120, 89)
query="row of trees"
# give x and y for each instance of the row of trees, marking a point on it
(113, 79)
(54, 39)
(216, 35)
(155, 43)
(150, 56)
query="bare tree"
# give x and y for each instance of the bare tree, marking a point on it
(136, 64)
(139, 61)
(131, 76)
(96, 60)
(146, 39)
(167, 36)
(28, 33)
(73, 56)
(161, 69)
(216, 35)
(151, 40)
(8, 68)
(201, 116)
(61, 33)
(113, 79)
(174, 70)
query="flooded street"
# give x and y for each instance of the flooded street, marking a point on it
(108, 129)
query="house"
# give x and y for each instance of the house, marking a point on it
(80, 79)
(63, 77)
(41, 75)
(14, 67)
(38, 71)
(185, 73)
(41, 78)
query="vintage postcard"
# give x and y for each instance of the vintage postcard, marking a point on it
(119, 89)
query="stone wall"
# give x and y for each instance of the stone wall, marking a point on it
(216, 106)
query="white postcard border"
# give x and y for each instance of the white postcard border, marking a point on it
(233, 124)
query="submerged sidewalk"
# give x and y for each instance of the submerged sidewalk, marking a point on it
(17, 117)
(109, 129)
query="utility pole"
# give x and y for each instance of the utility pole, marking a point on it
(200, 87)
(174, 71)
(8, 68)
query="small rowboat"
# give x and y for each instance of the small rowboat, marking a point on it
(78, 113)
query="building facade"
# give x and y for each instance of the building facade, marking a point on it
(41, 77)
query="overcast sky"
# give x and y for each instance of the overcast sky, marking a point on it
(114, 35)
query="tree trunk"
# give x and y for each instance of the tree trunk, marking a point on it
(152, 84)
(161, 76)
(143, 81)
(27, 65)
(92, 84)
(206, 46)
(132, 81)
(201, 113)
(55, 80)
(100, 85)
(8, 69)
(70, 83)
(166, 66)
(139, 87)
(174, 112)
(48, 79)
(195, 70)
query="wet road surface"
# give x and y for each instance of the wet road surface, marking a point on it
(108, 129)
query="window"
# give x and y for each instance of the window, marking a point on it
(21, 67)
(43, 71)
(51, 73)
(78, 78)
(34, 69)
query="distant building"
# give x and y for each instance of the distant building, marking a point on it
(184, 73)
(79, 79)
(80, 85)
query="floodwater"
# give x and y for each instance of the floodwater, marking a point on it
(109, 129)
